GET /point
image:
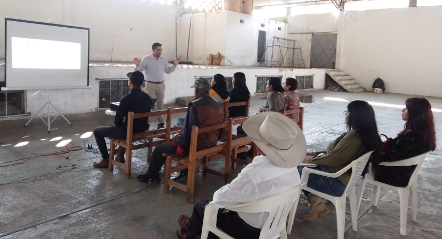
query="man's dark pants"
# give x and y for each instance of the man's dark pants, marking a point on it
(106, 131)
(158, 159)
(229, 222)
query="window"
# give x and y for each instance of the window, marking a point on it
(228, 80)
(111, 91)
(12, 102)
(261, 82)
(241, 21)
(305, 82)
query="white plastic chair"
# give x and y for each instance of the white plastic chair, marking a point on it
(277, 206)
(404, 192)
(357, 168)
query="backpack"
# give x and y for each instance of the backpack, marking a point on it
(379, 83)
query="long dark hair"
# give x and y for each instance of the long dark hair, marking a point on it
(275, 83)
(421, 120)
(362, 119)
(221, 86)
(240, 82)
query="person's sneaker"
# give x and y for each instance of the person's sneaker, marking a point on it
(144, 179)
(160, 126)
(183, 173)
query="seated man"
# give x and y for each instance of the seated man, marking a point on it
(202, 112)
(283, 143)
(136, 101)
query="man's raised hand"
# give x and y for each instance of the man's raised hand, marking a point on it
(137, 62)
(176, 61)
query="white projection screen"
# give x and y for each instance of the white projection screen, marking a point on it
(45, 56)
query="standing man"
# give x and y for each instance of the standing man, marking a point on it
(154, 67)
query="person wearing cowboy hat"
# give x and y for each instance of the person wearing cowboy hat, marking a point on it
(283, 144)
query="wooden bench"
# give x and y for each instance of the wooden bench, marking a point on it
(197, 157)
(147, 139)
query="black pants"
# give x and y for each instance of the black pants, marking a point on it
(106, 131)
(158, 159)
(229, 222)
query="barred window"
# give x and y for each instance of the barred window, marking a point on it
(12, 102)
(228, 80)
(111, 90)
(261, 82)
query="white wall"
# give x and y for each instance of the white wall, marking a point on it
(305, 41)
(401, 46)
(223, 32)
(309, 23)
(177, 85)
(120, 30)
(302, 27)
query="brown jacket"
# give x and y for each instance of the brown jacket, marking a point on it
(203, 112)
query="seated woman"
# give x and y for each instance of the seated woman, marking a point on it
(275, 98)
(219, 89)
(291, 100)
(418, 137)
(362, 136)
(239, 93)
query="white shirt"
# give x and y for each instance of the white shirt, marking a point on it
(154, 69)
(260, 179)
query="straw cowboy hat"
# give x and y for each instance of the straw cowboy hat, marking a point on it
(278, 137)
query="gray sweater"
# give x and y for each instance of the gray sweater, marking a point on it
(275, 102)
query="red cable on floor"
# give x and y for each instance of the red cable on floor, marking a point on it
(68, 148)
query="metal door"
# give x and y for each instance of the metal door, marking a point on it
(261, 45)
(323, 50)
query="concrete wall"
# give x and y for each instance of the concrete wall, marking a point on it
(302, 27)
(120, 30)
(223, 32)
(309, 23)
(401, 46)
(177, 84)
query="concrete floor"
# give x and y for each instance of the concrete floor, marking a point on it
(59, 197)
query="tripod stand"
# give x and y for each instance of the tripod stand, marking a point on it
(49, 122)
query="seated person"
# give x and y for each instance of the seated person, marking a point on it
(362, 136)
(418, 137)
(291, 100)
(219, 89)
(275, 97)
(239, 93)
(284, 146)
(136, 101)
(202, 112)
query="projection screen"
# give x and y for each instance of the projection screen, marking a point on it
(45, 56)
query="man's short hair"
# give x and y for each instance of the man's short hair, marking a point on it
(136, 77)
(155, 45)
(201, 85)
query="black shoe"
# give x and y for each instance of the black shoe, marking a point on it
(160, 126)
(144, 179)
(242, 156)
(183, 173)
(250, 152)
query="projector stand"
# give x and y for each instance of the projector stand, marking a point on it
(49, 122)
